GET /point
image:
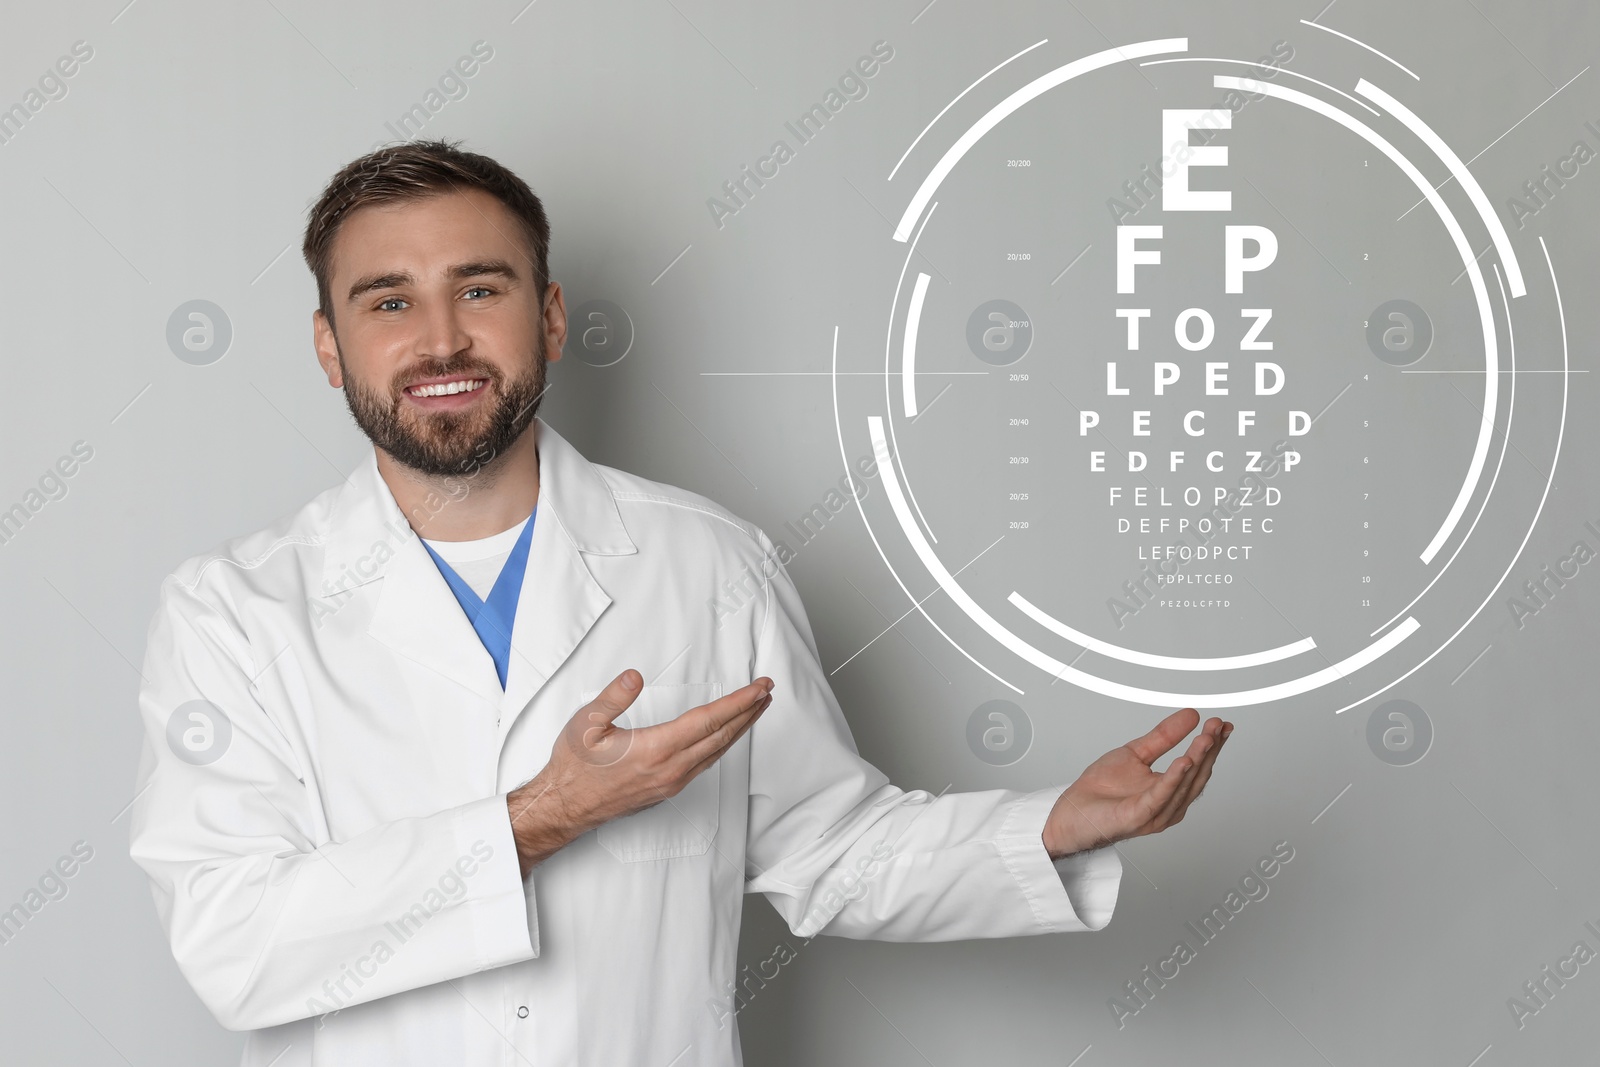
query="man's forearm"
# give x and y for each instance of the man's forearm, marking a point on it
(538, 824)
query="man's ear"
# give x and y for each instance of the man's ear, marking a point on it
(554, 322)
(327, 348)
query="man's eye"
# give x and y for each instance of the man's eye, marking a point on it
(383, 304)
(480, 289)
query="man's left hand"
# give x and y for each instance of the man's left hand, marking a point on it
(1119, 795)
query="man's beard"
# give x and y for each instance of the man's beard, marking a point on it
(448, 443)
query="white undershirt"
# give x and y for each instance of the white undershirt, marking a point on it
(479, 562)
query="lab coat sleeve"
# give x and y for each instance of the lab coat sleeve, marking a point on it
(268, 919)
(839, 850)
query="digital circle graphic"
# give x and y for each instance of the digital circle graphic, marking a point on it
(999, 733)
(601, 333)
(1399, 732)
(198, 732)
(1213, 495)
(199, 332)
(1399, 333)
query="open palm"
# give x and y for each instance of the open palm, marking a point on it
(1120, 795)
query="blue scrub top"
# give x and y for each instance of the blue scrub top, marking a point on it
(493, 618)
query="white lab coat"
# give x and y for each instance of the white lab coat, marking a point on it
(341, 880)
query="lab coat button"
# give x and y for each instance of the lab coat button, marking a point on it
(522, 1011)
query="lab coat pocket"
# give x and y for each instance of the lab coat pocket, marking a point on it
(682, 825)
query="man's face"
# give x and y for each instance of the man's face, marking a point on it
(441, 341)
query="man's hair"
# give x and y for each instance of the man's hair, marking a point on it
(415, 170)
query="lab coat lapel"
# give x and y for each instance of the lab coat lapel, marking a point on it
(559, 603)
(416, 615)
(560, 599)
(419, 618)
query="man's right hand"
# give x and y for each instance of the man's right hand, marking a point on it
(599, 771)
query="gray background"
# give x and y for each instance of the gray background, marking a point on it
(180, 162)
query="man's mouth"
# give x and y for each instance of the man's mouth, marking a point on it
(459, 385)
(447, 393)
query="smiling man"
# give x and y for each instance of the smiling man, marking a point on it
(456, 764)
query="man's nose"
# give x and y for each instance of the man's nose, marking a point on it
(443, 332)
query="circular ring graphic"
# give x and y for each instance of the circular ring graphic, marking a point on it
(1400, 333)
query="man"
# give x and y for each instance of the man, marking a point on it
(397, 803)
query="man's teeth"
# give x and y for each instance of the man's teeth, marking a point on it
(447, 388)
